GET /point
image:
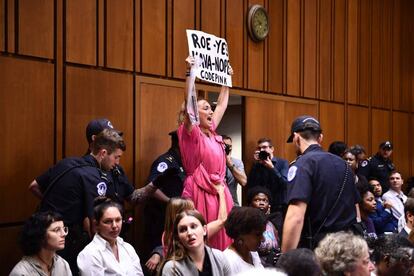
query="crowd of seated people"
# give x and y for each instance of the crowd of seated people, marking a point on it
(203, 233)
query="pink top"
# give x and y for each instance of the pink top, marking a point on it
(205, 164)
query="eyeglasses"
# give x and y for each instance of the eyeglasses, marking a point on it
(61, 230)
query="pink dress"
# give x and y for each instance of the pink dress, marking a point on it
(205, 164)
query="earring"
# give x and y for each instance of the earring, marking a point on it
(240, 242)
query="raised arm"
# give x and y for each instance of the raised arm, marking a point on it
(190, 95)
(222, 102)
(35, 189)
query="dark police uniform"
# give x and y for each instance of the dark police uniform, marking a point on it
(378, 167)
(70, 188)
(316, 179)
(154, 212)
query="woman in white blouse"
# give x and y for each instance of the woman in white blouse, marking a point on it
(245, 225)
(107, 253)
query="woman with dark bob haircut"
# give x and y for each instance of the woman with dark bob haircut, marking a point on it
(43, 234)
(245, 225)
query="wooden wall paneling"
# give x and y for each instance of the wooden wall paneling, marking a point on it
(376, 49)
(365, 52)
(235, 30)
(387, 53)
(11, 27)
(380, 128)
(339, 50)
(36, 28)
(272, 126)
(293, 48)
(310, 54)
(101, 32)
(59, 77)
(275, 46)
(2, 25)
(396, 55)
(183, 18)
(119, 34)
(154, 37)
(137, 32)
(325, 49)
(155, 119)
(401, 141)
(92, 94)
(255, 59)
(332, 119)
(210, 17)
(358, 127)
(352, 51)
(293, 110)
(27, 116)
(9, 250)
(81, 36)
(407, 61)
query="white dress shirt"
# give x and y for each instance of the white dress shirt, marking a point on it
(97, 258)
(397, 200)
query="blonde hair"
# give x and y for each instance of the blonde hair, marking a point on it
(339, 252)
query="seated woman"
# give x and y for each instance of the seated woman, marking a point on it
(176, 206)
(43, 234)
(107, 253)
(367, 206)
(189, 254)
(245, 225)
(258, 197)
(344, 253)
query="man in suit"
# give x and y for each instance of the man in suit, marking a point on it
(409, 217)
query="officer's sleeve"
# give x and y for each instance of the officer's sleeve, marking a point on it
(124, 181)
(284, 169)
(44, 179)
(299, 186)
(364, 168)
(157, 168)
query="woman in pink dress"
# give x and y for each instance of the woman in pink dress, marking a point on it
(203, 156)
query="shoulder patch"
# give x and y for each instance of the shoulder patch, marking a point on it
(292, 173)
(101, 188)
(162, 166)
(364, 163)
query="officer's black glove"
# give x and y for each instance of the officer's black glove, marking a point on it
(165, 176)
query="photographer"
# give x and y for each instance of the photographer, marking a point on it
(270, 172)
(234, 170)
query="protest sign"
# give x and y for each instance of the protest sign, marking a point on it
(212, 55)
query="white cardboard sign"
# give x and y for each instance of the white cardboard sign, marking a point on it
(212, 55)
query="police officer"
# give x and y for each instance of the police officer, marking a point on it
(120, 189)
(73, 186)
(379, 166)
(154, 211)
(321, 192)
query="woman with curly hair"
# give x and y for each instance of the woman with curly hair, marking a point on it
(245, 225)
(344, 253)
(43, 234)
(189, 255)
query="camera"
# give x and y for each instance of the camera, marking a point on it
(227, 149)
(263, 155)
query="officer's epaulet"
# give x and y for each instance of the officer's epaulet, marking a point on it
(369, 158)
(170, 158)
(294, 161)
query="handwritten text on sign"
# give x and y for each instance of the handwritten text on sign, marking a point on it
(213, 54)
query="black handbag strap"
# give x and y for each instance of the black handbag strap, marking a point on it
(336, 202)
